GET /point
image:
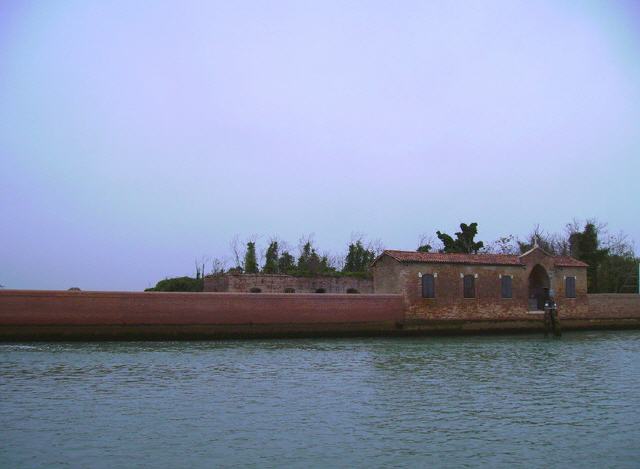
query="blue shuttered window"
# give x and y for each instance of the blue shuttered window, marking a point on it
(469, 286)
(506, 286)
(428, 286)
(570, 287)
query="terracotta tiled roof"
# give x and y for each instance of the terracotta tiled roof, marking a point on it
(566, 261)
(475, 259)
(441, 258)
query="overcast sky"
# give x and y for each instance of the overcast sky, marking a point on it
(136, 136)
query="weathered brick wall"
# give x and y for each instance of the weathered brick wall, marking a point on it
(270, 283)
(613, 305)
(449, 302)
(84, 308)
(394, 277)
(573, 307)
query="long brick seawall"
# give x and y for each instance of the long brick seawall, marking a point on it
(60, 314)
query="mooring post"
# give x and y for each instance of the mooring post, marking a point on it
(547, 320)
(555, 321)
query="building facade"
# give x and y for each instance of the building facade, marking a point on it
(277, 283)
(482, 286)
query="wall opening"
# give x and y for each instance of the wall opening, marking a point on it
(321, 290)
(352, 290)
(469, 286)
(538, 288)
(255, 290)
(289, 290)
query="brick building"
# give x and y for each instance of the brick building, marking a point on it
(482, 286)
(278, 283)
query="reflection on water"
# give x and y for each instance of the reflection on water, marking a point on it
(498, 401)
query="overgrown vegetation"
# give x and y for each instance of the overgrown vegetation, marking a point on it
(179, 284)
(613, 266)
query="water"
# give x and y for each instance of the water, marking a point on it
(438, 402)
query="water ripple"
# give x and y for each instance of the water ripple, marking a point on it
(520, 401)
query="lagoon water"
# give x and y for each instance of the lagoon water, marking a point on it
(422, 402)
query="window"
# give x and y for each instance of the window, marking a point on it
(428, 286)
(505, 282)
(289, 290)
(570, 287)
(469, 286)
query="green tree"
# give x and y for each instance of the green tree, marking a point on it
(358, 258)
(179, 284)
(271, 259)
(287, 263)
(309, 262)
(618, 274)
(585, 245)
(424, 248)
(464, 240)
(250, 261)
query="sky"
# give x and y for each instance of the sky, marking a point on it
(137, 136)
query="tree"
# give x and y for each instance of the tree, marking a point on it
(464, 240)
(309, 262)
(287, 263)
(358, 258)
(585, 245)
(425, 243)
(552, 243)
(271, 259)
(179, 284)
(503, 245)
(250, 260)
(235, 248)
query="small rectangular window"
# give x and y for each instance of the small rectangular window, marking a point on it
(428, 286)
(570, 287)
(469, 286)
(506, 282)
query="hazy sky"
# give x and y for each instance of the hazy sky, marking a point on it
(136, 136)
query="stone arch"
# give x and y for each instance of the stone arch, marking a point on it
(539, 286)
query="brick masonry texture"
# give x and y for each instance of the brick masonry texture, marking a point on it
(613, 305)
(62, 315)
(403, 277)
(25, 307)
(275, 283)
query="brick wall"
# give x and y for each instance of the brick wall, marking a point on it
(613, 305)
(391, 276)
(274, 283)
(61, 307)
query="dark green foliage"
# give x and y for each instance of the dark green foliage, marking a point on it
(618, 274)
(358, 258)
(424, 248)
(585, 246)
(309, 261)
(179, 284)
(464, 240)
(271, 259)
(286, 263)
(250, 260)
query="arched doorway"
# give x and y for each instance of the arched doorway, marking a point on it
(538, 288)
